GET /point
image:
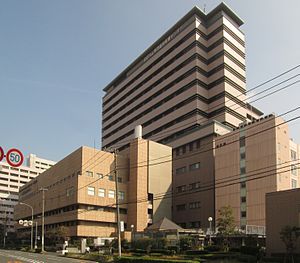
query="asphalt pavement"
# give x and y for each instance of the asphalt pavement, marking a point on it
(13, 256)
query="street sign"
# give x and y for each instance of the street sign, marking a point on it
(1, 154)
(14, 157)
(122, 226)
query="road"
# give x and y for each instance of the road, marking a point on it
(12, 256)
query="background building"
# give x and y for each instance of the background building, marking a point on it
(11, 179)
(34, 161)
(185, 89)
(282, 209)
(82, 195)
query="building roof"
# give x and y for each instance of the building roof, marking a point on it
(164, 224)
(222, 7)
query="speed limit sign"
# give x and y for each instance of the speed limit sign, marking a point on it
(1, 154)
(14, 157)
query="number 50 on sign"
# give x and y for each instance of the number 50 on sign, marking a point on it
(14, 157)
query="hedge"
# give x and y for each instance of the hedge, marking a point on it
(150, 260)
(196, 252)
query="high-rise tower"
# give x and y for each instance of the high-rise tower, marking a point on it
(185, 89)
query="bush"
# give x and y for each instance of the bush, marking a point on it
(174, 248)
(196, 252)
(162, 251)
(234, 249)
(247, 258)
(150, 260)
(250, 250)
(213, 248)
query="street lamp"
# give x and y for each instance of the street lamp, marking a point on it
(210, 220)
(31, 239)
(132, 227)
(43, 218)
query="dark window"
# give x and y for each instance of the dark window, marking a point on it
(191, 146)
(181, 207)
(242, 141)
(181, 170)
(243, 214)
(243, 155)
(243, 199)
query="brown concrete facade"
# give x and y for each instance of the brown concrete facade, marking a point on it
(186, 89)
(251, 161)
(282, 209)
(82, 196)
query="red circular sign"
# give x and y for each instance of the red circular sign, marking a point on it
(14, 157)
(1, 154)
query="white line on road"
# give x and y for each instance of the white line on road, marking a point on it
(21, 258)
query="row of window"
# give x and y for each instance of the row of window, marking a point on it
(293, 155)
(102, 193)
(17, 175)
(194, 224)
(192, 186)
(192, 167)
(192, 205)
(19, 170)
(101, 176)
(190, 147)
(206, 49)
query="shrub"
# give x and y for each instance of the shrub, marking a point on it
(213, 248)
(196, 252)
(234, 249)
(250, 250)
(162, 251)
(174, 248)
(150, 260)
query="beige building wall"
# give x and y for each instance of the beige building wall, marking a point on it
(160, 180)
(150, 183)
(138, 187)
(282, 209)
(250, 162)
(81, 191)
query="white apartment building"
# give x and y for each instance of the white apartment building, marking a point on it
(34, 161)
(11, 179)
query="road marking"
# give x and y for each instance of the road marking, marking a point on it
(21, 258)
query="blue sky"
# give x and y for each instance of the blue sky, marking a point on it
(56, 57)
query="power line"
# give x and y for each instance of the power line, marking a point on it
(196, 153)
(160, 135)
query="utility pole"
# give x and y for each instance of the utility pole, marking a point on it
(36, 230)
(43, 218)
(117, 205)
(5, 226)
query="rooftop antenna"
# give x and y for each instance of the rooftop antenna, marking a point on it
(204, 9)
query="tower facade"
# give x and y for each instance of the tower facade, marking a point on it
(185, 89)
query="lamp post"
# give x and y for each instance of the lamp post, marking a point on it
(132, 227)
(43, 218)
(210, 220)
(31, 239)
(36, 230)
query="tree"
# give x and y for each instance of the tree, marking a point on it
(289, 236)
(62, 233)
(225, 225)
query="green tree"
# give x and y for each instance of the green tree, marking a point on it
(289, 236)
(225, 225)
